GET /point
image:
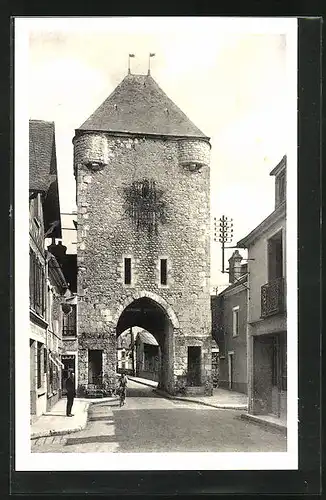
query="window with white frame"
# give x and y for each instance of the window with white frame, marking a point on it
(235, 321)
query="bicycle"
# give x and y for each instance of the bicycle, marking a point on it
(122, 394)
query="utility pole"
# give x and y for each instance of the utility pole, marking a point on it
(225, 235)
(132, 344)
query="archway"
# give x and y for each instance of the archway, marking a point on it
(146, 313)
(138, 354)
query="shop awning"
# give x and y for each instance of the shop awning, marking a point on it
(56, 361)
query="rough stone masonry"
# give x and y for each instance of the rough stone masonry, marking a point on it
(143, 199)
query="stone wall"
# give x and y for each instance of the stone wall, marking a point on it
(107, 233)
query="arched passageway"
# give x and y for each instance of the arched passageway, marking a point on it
(138, 354)
(149, 315)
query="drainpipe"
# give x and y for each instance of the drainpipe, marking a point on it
(47, 258)
(249, 349)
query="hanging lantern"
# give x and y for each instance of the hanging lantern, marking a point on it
(66, 308)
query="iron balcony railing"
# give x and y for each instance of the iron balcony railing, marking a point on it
(272, 298)
(69, 331)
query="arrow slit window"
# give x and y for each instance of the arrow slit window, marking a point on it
(163, 271)
(127, 271)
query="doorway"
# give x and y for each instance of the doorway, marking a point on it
(69, 364)
(95, 367)
(279, 378)
(194, 366)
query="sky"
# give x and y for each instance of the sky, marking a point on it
(231, 82)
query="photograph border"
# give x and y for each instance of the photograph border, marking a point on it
(309, 252)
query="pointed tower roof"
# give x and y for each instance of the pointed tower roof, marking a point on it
(138, 105)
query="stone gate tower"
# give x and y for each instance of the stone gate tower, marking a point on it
(142, 173)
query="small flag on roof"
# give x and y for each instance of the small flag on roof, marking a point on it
(151, 54)
(130, 55)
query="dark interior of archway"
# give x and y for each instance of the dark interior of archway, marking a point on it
(146, 314)
(149, 315)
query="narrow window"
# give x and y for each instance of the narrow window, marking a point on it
(127, 271)
(39, 365)
(69, 322)
(45, 360)
(280, 188)
(275, 257)
(235, 321)
(163, 273)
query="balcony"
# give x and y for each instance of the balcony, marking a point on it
(69, 331)
(272, 298)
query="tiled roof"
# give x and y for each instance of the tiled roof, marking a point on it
(42, 161)
(138, 105)
(240, 281)
(43, 172)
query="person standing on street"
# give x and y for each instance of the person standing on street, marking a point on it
(123, 388)
(71, 393)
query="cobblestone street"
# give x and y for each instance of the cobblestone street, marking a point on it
(150, 423)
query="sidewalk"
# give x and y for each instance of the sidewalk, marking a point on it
(221, 398)
(55, 422)
(267, 421)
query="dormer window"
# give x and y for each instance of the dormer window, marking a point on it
(280, 188)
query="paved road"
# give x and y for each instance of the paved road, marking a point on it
(150, 423)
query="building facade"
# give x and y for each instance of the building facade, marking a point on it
(68, 264)
(126, 353)
(267, 325)
(229, 326)
(56, 290)
(44, 285)
(148, 356)
(143, 248)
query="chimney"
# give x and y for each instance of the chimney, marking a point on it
(59, 251)
(235, 266)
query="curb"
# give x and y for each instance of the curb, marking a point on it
(141, 382)
(178, 398)
(264, 423)
(203, 403)
(80, 427)
(98, 401)
(60, 432)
